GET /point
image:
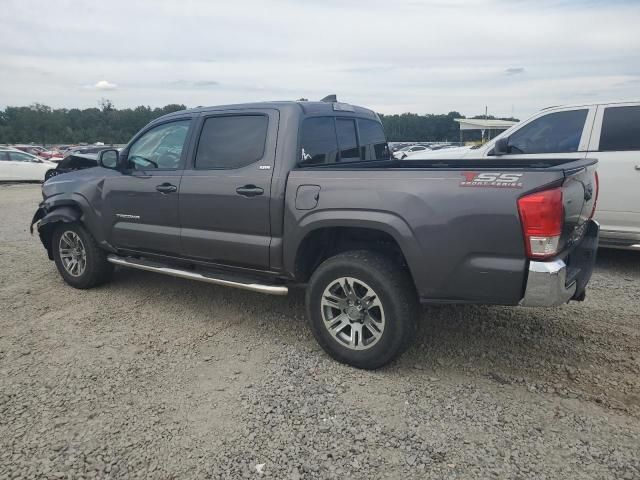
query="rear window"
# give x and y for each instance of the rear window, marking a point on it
(347, 139)
(319, 142)
(620, 129)
(373, 144)
(326, 140)
(231, 141)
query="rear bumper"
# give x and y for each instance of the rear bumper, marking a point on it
(565, 278)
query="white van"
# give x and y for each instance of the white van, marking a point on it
(609, 132)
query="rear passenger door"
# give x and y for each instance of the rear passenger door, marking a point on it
(616, 145)
(226, 189)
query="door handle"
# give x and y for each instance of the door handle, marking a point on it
(249, 191)
(166, 188)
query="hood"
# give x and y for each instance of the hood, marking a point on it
(77, 181)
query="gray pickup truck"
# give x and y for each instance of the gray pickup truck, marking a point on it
(269, 196)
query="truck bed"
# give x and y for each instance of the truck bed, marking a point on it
(459, 231)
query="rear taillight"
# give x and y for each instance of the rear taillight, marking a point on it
(595, 202)
(542, 216)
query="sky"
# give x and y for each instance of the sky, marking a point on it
(433, 56)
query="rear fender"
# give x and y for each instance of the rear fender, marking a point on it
(385, 222)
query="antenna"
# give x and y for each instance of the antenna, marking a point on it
(330, 98)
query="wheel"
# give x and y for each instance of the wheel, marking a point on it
(80, 261)
(362, 308)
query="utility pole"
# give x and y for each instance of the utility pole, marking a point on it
(486, 108)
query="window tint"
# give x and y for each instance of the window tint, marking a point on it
(231, 141)
(347, 140)
(160, 147)
(319, 143)
(558, 132)
(620, 129)
(4, 156)
(20, 157)
(373, 144)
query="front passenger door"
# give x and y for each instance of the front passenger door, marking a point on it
(141, 203)
(553, 135)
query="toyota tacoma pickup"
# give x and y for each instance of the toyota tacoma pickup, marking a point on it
(270, 196)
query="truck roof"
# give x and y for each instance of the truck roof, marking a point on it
(588, 104)
(303, 107)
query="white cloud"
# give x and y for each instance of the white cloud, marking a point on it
(105, 85)
(406, 55)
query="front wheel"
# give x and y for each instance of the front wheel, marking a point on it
(362, 308)
(80, 261)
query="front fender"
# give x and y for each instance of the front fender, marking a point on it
(45, 221)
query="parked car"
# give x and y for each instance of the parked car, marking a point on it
(52, 155)
(269, 196)
(608, 131)
(32, 149)
(410, 150)
(85, 149)
(16, 165)
(72, 163)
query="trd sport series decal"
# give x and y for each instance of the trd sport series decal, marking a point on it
(492, 179)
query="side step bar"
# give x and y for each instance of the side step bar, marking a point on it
(142, 265)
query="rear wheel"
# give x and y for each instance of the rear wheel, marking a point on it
(362, 308)
(79, 259)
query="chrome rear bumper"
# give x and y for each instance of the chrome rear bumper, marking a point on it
(547, 281)
(546, 285)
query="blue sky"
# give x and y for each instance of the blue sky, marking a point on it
(429, 56)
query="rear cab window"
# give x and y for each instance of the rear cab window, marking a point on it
(331, 140)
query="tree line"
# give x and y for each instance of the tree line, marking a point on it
(41, 124)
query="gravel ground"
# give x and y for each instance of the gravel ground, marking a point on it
(157, 377)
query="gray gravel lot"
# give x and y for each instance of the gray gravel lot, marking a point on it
(157, 377)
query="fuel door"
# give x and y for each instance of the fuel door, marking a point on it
(307, 197)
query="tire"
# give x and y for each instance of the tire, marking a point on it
(369, 276)
(96, 270)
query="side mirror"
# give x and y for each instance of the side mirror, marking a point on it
(109, 159)
(501, 147)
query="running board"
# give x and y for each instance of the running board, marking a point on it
(217, 280)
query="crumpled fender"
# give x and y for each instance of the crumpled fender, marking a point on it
(43, 219)
(59, 214)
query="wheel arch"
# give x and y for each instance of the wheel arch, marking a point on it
(48, 222)
(328, 233)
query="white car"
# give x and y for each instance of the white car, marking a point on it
(410, 150)
(21, 166)
(609, 132)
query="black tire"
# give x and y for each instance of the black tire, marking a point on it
(97, 269)
(393, 286)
